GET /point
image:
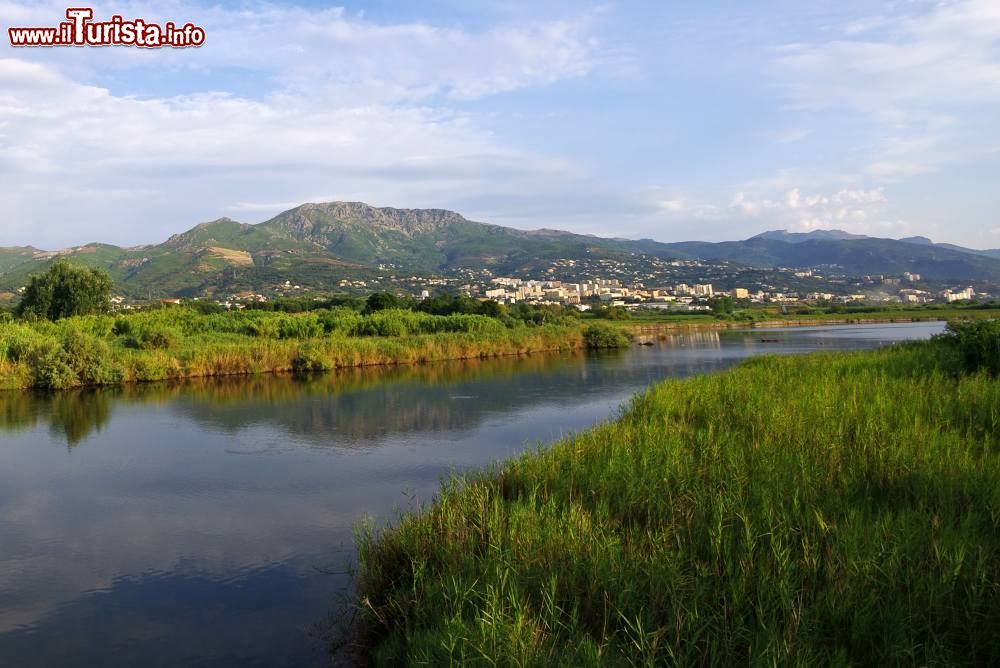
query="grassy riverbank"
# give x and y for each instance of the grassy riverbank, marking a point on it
(772, 317)
(833, 509)
(182, 343)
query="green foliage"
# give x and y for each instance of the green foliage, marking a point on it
(407, 323)
(146, 333)
(90, 359)
(17, 340)
(978, 342)
(338, 319)
(448, 305)
(303, 304)
(600, 336)
(836, 509)
(205, 307)
(722, 305)
(51, 367)
(611, 312)
(492, 308)
(381, 301)
(64, 291)
(183, 342)
(311, 358)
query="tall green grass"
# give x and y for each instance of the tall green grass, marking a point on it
(834, 509)
(183, 343)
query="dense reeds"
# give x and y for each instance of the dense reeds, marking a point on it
(182, 343)
(834, 509)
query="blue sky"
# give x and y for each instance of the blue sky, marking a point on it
(668, 120)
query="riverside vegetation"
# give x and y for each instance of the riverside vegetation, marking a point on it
(182, 343)
(63, 336)
(834, 509)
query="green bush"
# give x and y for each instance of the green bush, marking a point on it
(151, 368)
(310, 358)
(338, 319)
(381, 301)
(978, 343)
(51, 367)
(398, 322)
(151, 337)
(599, 336)
(91, 359)
(17, 340)
(299, 327)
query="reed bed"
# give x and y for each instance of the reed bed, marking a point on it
(181, 343)
(833, 509)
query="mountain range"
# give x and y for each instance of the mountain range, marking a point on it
(320, 244)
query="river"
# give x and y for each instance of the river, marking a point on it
(210, 523)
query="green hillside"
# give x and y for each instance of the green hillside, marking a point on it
(321, 244)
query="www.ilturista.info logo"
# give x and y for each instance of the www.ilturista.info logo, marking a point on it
(81, 30)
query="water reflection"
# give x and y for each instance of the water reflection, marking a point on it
(356, 405)
(72, 416)
(196, 522)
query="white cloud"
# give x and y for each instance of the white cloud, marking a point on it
(916, 83)
(351, 110)
(850, 210)
(945, 56)
(338, 57)
(859, 211)
(74, 153)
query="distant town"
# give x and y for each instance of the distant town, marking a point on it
(639, 283)
(614, 292)
(685, 297)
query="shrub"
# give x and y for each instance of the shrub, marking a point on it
(310, 358)
(152, 367)
(51, 367)
(600, 336)
(18, 340)
(145, 332)
(338, 319)
(299, 327)
(381, 301)
(91, 359)
(978, 343)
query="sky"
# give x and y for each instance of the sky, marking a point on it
(672, 120)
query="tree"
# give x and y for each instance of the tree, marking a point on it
(492, 308)
(381, 301)
(722, 305)
(612, 312)
(66, 290)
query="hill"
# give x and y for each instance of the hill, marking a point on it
(321, 244)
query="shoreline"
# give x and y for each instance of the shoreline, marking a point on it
(645, 328)
(673, 523)
(364, 351)
(568, 346)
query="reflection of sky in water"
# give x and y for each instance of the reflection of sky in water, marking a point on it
(159, 524)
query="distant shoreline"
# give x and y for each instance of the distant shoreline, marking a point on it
(636, 328)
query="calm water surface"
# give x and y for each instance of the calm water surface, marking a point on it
(209, 523)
